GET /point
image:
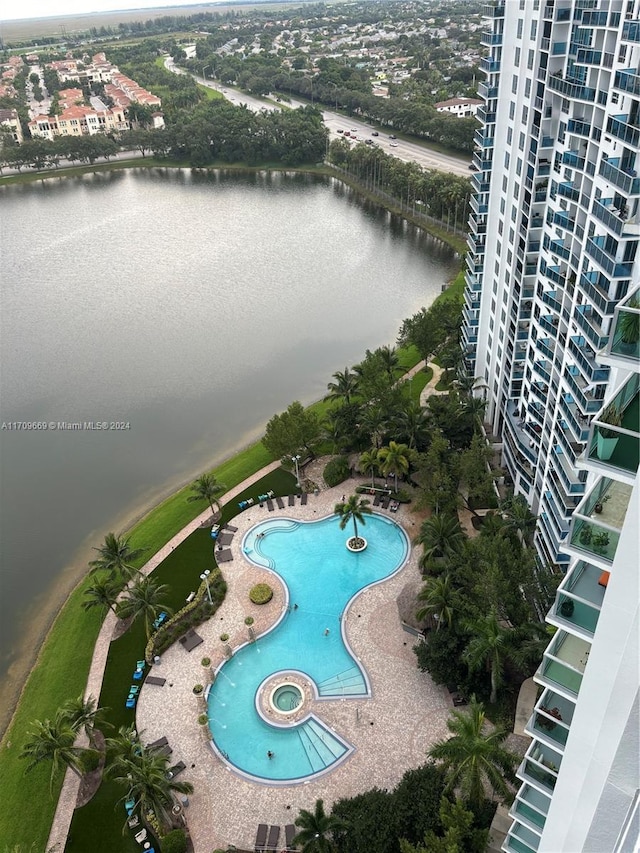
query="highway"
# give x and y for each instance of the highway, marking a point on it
(409, 152)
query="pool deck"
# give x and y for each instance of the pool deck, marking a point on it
(391, 731)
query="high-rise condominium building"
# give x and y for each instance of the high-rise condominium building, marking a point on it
(551, 318)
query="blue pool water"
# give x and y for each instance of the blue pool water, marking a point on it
(321, 577)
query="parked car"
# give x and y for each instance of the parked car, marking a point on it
(374, 133)
(339, 130)
(392, 136)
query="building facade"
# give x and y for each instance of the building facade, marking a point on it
(551, 326)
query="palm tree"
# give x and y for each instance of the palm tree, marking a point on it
(412, 424)
(440, 600)
(389, 359)
(353, 509)
(475, 755)
(84, 714)
(518, 518)
(475, 407)
(394, 458)
(345, 386)
(102, 593)
(373, 422)
(207, 488)
(53, 740)
(490, 644)
(441, 536)
(144, 598)
(149, 782)
(369, 463)
(116, 555)
(316, 829)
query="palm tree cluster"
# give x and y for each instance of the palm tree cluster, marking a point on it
(144, 775)
(353, 509)
(56, 740)
(207, 488)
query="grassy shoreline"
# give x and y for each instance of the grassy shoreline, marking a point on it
(62, 663)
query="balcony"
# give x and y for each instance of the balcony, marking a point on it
(597, 248)
(573, 159)
(567, 190)
(487, 92)
(631, 31)
(490, 66)
(574, 91)
(584, 585)
(489, 39)
(625, 179)
(493, 10)
(564, 663)
(628, 81)
(598, 520)
(563, 220)
(625, 341)
(619, 127)
(587, 319)
(512, 844)
(534, 800)
(614, 446)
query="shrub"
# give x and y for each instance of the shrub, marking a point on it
(249, 620)
(336, 471)
(224, 637)
(206, 661)
(202, 719)
(261, 593)
(198, 688)
(174, 842)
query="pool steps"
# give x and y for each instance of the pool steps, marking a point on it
(347, 683)
(320, 746)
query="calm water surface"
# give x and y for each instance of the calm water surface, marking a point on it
(191, 307)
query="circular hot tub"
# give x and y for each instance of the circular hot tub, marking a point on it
(286, 698)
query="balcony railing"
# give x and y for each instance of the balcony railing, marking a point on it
(489, 66)
(631, 31)
(610, 216)
(619, 127)
(625, 341)
(627, 180)
(564, 663)
(570, 90)
(618, 446)
(628, 81)
(602, 257)
(580, 598)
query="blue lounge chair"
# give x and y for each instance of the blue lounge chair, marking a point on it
(134, 689)
(137, 675)
(129, 805)
(140, 664)
(131, 702)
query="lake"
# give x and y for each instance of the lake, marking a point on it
(190, 307)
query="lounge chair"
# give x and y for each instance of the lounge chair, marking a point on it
(280, 503)
(225, 539)
(303, 498)
(141, 836)
(137, 675)
(141, 664)
(131, 702)
(292, 500)
(376, 500)
(270, 506)
(129, 805)
(272, 840)
(177, 768)
(224, 556)
(290, 833)
(133, 821)
(261, 838)
(384, 503)
(158, 744)
(230, 528)
(154, 679)
(191, 640)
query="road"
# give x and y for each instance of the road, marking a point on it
(409, 152)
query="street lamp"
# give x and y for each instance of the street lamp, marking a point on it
(295, 460)
(204, 76)
(205, 577)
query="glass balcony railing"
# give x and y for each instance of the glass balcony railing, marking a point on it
(525, 836)
(514, 845)
(624, 179)
(619, 127)
(628, 81)
(525, 813)
(580, 597)
(625, 341)
(631, 31)
(564, 662)
(574, 91)
(618, 445)
(599, 518)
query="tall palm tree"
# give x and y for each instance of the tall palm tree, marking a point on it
(369, 463)
(316, 829)
(353, 509)
(373, 422)
(103, 593)
(345, 386)
(490, 645)
(394, 459)
(475, 755)
(518, 518)
(440, 599)
(207, 488)
(116, 556)
(148, 782)
(475, 407)
(144, 598)
(84, 714)
(412, 424)
(440, 536)
(53, 740)
(389, 358)
(124, 749)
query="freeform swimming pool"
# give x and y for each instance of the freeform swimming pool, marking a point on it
(321, 577)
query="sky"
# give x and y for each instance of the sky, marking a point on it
(48, 8)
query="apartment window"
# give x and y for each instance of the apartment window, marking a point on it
(505, 181)
(512, 236)
(519, 166)
(622, 53)
(502, 205)
(493, 307)
(514, 84)
(534, 29)
(507, 160)
(527, 87)
(512, 109)
(520, 25)
(516, 61)
(500, 227)
(525, 114)
(521, 142)
(509, 135)
(514, 213)
(521, 5)
(530, 57)
(509, 256)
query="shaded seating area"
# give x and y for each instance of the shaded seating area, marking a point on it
(190, 640)
(224, 556)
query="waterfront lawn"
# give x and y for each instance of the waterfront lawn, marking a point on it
(98, 825)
